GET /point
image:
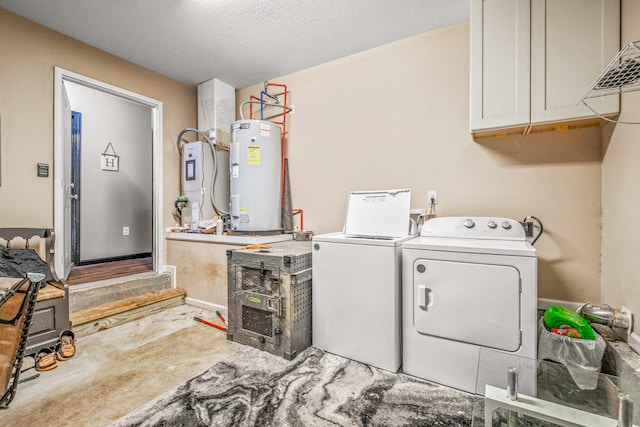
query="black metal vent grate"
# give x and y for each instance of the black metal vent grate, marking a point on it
(258, 321)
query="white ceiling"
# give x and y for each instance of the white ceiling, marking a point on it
(241, 42)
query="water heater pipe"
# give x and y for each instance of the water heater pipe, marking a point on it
(268, 104)
(274, 98)
(297, 211)
(252, 98)
(604, 314)
(284, 128)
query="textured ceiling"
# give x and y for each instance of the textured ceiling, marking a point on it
(241, 42)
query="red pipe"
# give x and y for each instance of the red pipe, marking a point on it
(251, 98)
(296, 211)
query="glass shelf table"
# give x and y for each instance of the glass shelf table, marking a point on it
(517, 391)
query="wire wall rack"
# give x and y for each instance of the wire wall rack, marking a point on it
(621, 75)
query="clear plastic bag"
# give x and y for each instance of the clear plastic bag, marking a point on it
(583, 358)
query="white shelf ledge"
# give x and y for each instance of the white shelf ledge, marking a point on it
(229, 240)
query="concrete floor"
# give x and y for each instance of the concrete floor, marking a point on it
(117, 370)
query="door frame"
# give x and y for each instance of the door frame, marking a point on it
(61, 182)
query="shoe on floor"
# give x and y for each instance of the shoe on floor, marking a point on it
(46, 360)
(66, 348)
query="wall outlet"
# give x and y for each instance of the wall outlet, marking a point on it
(125, 231)
(432, 195)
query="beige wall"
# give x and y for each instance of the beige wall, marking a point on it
(201, 270)
(397, 116)
(29, 53)
(391, 117)
(621, 194)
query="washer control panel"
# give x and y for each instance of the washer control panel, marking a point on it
(474, 228)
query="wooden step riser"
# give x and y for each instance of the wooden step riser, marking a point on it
(85, 298)
(105, 316)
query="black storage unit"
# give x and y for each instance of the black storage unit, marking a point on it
(50, 318)
(269, 293)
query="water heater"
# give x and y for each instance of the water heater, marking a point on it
(256, 176)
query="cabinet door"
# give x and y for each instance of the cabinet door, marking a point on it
(572, 41)
(500, 64)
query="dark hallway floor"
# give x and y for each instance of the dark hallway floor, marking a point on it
(109, 270)
(119, 369)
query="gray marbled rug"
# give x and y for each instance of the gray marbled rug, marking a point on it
(255, 388)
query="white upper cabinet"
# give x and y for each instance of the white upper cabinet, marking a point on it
(532, 60)
(500, 63)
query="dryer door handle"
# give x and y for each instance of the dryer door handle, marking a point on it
(425, 297)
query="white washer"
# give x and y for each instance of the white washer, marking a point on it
(356, 298)
(469, 283)
(357, 280)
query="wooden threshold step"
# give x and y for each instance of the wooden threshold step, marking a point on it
(108, 315)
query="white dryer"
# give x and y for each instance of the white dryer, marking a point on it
(468, 283)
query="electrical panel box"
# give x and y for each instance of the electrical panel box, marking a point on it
(269, 293)
(197, 170)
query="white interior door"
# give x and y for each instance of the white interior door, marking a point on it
(66, 180)
(63, 189)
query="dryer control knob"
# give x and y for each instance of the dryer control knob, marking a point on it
(492, 224)
(468, 223)
(506, 225)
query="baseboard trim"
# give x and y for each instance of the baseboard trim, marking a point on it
(171, 270)
(206, 305)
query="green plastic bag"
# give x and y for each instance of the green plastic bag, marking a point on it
(557, 317)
